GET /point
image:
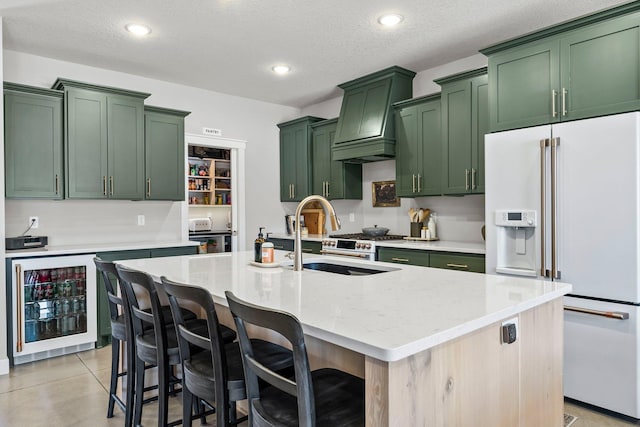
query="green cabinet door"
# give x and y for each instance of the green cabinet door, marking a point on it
(418, 146)
(464, 123)
(125, 133)
(295, 159)
(456, 137)
(33, 142)
(479, 128)
(524, 85)
(86, 144)
(164, 153)
(332, 179)
(600, 69)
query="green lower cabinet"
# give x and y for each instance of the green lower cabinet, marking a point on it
(332, 179)
(104, 317)
(464, 121)
(311, 247)
(33, 131)
(282, 244)
(466, 262)
(418, 147)
(404, 256)
(164, 153)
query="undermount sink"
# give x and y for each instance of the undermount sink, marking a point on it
(344, 268)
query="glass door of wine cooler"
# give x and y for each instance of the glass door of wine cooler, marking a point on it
(54, 304)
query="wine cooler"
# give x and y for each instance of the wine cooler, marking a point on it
(54, 306)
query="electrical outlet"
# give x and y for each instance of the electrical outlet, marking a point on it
(212, 131)
(352, 217)
(509, 332)
(140, 219)
(35, 221)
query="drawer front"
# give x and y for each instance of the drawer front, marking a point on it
(404, 256)
(282, 244)
(309, 247)
(473, 263)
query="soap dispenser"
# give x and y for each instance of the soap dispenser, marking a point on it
(257, 246)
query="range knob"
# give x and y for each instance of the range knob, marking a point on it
(367, 246)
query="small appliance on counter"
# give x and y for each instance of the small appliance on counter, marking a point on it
(200, 224)
(25, 242)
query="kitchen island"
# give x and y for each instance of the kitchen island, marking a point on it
(426, 341)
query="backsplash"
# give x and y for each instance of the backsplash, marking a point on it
(460, 218)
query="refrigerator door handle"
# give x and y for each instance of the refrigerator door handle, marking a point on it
(19, 307)
(555, 273)
(610, 314)
(544, 143)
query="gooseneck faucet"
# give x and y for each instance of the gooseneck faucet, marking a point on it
(297, 246)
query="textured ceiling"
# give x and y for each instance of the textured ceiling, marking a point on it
(229, 46)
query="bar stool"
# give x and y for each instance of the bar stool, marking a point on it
(215, 373)
(324, 397)
(119, 334)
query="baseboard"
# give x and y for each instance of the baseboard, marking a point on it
(4, 366)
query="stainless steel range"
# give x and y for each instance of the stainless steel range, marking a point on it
(354, 245)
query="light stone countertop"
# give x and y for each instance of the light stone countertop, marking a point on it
(438, 245)
(388, 316)
(95, 248)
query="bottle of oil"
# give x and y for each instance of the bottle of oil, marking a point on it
(257, 246)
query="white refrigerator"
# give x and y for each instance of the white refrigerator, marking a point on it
(580, 182)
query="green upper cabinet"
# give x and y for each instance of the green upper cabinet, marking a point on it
(418, 146)
(295, 158)
(33, 142)
(104, 148)
(366, 130)
(464, 124)
(332, 179)
(164, 153)
(580, 69)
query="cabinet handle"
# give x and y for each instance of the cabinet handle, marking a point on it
(290, 191)
(419, 179)
(620, 315)
(413, 183)
(327, 195)
(399, 259)
(278, 246)
(148, 187)
(57, 184)
(554, 96)
(293, 191)
(19, 307)
(473, 178)
(104, 186)
(457, 265)
(564, 102)
(111, 185)
(466, 179)
(307, 250)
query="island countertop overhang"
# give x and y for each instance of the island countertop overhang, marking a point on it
(388, 316)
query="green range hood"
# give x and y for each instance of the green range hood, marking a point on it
(366, 128)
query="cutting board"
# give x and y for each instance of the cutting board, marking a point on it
(314, 220)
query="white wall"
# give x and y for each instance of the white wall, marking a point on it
(460, 218)
(115, 221)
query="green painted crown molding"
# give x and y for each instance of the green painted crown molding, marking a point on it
(393, 71)
(415, 101)
(603, 15)
(63, 84)
(162, 110)
(305, 119)
(461, 76)
(17, 87)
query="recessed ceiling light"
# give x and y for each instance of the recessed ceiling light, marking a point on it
(281, 69)
(138, 29)
(390, 20)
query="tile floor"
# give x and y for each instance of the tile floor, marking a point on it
(72, 391)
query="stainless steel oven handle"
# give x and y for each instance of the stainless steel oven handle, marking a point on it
(355, 255)
(610, 314)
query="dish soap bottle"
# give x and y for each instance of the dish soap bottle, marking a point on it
(257, 246)
(432, 226)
